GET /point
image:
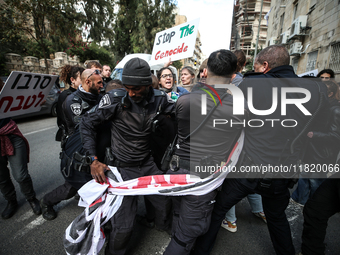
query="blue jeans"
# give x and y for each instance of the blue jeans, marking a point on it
(305, 189)
(18, 163)
(255, 202)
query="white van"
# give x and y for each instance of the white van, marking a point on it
(118, 71)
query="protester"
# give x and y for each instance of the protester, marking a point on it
(130, 112)
(323, 148)
(166, 84)
(187, 77)
(113, 84)
(241, 62)
(69, 75)
(326, 74)
(75, 105)
(94, 65)
(155, 81)
(106, 73)
(15, 151)
(269, 145)
(191, 217)
(255, 201)
(200, 75)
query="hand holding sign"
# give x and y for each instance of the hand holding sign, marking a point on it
(177, 42)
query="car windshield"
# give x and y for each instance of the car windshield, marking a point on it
(117, 74)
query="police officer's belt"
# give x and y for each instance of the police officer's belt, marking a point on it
(118, 163)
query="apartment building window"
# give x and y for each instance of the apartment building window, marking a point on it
(295, 11)
(334, 62)
(282, 18)
(311, 63)
(295, 63)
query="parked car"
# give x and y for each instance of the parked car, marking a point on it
(50, 106)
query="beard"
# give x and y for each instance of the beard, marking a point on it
(93, 90)
(142, 96)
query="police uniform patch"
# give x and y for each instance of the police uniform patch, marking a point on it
(76, 108)
(105, 101)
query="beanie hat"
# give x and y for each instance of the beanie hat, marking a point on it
(136, 72)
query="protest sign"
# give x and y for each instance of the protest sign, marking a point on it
(175, 43)
(312, 73)
(24, 92)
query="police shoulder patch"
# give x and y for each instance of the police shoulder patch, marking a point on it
(105, 101)
(76, 108)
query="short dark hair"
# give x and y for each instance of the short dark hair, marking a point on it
(329, 71)
(159, 73)
(222, 63)
(333, 87)
(93, 63)
(275, 55)
(67, 72)
(241, 59)
(113, 84)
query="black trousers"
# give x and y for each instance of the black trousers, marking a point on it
(123, 221)
(274, 201)
(319, 208)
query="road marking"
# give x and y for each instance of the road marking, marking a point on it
(37, 131)
(25, 216)
(38, 221)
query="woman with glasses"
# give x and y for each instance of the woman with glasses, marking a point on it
(166, 83)
(326, 74)
(188, 77)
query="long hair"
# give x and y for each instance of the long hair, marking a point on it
(333, 87)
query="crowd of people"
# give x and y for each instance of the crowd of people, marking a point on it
(129, 124)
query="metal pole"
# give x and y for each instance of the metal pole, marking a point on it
(258, 33)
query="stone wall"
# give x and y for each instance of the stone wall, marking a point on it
(15, 62)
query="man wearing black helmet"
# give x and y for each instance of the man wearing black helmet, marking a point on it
(130, 112)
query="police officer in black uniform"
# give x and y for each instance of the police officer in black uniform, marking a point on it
(271, 144)
(75, 105)
(206, 147)
(130, 111)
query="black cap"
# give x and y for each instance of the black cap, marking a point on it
(136, 72)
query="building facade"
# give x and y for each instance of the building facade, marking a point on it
(310, 30)
(246, 24)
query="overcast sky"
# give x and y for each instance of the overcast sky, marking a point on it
(215, 21)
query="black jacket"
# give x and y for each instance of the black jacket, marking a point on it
(324, 146)
(270, 143)
(131, 123)
(75, 107)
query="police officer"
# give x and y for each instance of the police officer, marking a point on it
(75, 105)
(130, 111)
(271, 144)
(207, 147)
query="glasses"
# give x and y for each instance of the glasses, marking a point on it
(167, 75)
(95, 71)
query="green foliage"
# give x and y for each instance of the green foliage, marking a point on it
(86, 51)
(178, 64)
(137, 23)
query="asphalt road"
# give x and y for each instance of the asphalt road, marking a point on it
(26, 233)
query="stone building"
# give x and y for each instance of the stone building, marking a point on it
(245, 25)
(310, 30)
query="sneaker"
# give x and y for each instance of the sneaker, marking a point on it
(261, 215)
(228, 225)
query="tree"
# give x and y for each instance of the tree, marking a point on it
(249, 65)
(99, 18)
(137, 23)
(38, 19)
